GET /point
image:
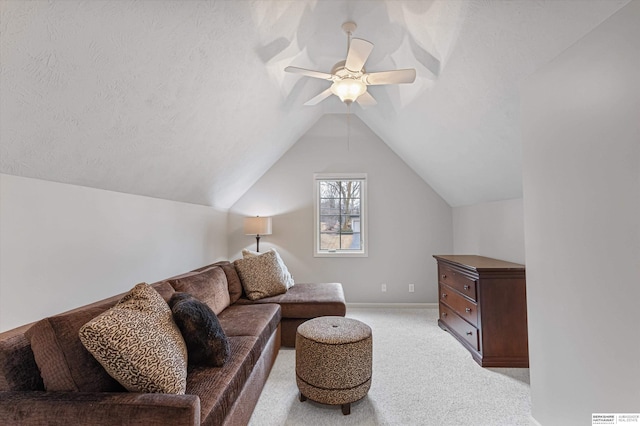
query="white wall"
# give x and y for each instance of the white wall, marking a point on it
(62, 246)
(493, 229)
(408, 221)
(581, 130)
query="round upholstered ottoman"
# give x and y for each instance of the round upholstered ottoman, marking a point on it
(333, 361)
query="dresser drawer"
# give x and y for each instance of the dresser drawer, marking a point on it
(462, 328)
(457, 280)
(461, 305)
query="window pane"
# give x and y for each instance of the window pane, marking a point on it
(326, 211)
(339, 213)
(329, 224)
(350, 241)
(329, 241)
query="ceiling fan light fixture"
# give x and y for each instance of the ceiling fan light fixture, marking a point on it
(348, 89)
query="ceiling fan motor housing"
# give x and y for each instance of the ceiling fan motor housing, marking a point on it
(339, 70)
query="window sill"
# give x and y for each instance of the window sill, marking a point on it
(339, 254)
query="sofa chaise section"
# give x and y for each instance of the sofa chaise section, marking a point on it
(303, 302)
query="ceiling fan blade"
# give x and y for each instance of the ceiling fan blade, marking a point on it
(359, 51)
(390, 77)
(309, 73)
(366, 100)
(319, 98)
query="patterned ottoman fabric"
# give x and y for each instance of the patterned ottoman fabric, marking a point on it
(333, 360)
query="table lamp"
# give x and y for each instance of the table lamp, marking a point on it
(257, 226)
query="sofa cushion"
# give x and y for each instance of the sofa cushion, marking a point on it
(64, 363)
(233, 280)
(163, 288)
(265, 319)
(139, 344)
(205, 339)
(262, 276)
(18, 368)
(306, 300)
(220, 387)
(209, 286)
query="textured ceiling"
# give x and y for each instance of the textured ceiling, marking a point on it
(188, 101)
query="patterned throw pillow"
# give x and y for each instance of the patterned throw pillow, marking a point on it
(288, 279)
(206, 342)
(139, 344)
(263, 275)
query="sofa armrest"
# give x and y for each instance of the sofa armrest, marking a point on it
(68, 408)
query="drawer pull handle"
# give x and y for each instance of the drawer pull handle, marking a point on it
(467, 310)
(469, 333)
(444, 276)
(444, 295)
(444, 315)
(466, 287)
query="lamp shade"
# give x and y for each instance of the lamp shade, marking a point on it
(257, 225)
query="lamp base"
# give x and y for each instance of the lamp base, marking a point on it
(258, 243)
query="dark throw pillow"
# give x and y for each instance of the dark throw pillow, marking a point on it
(207, 345)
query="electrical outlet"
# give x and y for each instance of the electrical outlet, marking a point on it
(384, 288)
(411, 288)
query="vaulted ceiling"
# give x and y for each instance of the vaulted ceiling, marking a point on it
(188, 100)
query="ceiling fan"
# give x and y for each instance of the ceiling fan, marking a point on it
(350, 80)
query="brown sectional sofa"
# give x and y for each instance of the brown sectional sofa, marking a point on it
(223, 395)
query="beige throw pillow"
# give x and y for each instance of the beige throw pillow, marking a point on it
(287, 278)
(262, 276)
(139, 344)
(250, 253)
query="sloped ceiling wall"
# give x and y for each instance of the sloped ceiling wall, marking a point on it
(188, 101)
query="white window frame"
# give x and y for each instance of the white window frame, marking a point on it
(364, 234)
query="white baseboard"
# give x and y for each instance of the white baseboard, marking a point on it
(394, 305)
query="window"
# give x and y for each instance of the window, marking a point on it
(340, 215)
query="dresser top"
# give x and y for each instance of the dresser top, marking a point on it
(479, 263)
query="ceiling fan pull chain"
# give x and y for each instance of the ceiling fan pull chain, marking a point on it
(349, 127)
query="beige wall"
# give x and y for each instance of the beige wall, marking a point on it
(408, 221)
(493, 229)
(581, 134)
(62, 246)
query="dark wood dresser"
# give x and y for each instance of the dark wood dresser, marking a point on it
(483, 304)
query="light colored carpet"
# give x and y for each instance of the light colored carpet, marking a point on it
(421, 376)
